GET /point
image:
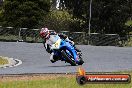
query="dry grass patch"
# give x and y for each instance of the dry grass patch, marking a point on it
(10, 78)
(3, 60)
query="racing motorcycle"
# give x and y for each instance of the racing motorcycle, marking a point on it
(66, 51)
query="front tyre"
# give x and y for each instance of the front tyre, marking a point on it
(68, 59)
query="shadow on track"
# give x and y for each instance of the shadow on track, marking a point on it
(61, 66)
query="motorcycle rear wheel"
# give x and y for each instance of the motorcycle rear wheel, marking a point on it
(80, 61)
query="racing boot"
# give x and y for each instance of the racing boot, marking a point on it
(53, 61)
(54, 58)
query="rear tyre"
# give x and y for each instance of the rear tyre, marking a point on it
(81, 61)
(69, 60)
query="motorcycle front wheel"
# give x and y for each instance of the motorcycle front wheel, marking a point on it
(68, 59)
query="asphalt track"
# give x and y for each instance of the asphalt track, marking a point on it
(36, 60)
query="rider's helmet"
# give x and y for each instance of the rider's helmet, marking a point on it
(44, 33)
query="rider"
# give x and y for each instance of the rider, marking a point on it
(45, 35)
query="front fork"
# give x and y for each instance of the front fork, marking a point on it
(72, 50)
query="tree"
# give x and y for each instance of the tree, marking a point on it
(25, 13)
(112, 15)
(58, 20)
(108, 16)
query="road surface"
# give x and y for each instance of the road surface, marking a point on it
(36, 60)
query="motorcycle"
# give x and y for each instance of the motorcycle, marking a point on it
(66, 51)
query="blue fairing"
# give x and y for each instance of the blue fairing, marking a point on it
(70, 49)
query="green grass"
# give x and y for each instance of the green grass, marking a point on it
(15, 38)
(3, 61)
(9, 37)
(130, 42)
(33, 39)
(58, 82)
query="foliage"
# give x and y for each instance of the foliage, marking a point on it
(57, 20)
(107, 16)
(24, 13)
(129, 23)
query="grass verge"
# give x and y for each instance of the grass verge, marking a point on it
(3, 60)
(130, 42)
(52, 81)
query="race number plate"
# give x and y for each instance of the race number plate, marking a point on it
(56, 45)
